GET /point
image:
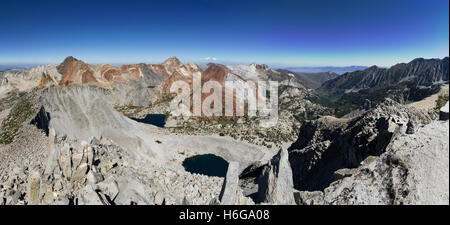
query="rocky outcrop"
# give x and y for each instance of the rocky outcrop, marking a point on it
(231, 193)
(100, 172)
(20, 164)
(328, 144)
(391, 154)
(85, 111)
(308, 197)
(230, 185)
(275, 185)
(413, 170)
(65, 172)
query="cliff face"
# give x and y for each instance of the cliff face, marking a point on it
(328, 144)
(419, 72)
(413, 170)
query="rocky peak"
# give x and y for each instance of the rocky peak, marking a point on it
(69, 60)
(73, 71)
(374, 67)
(259, 66)
(215, 72)
(172, 60)
(275, 185)
(417, 60)
(171, 64)
(262, 67)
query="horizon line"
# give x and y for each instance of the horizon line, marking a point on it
(225, 62)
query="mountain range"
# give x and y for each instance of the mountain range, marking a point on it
(318, 69)
(76, 133)
(419, 72)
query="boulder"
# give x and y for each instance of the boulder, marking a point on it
(88, 196)
(93, 177)
(132, 192)
(308, 197)
(159, 198)
(275, 183)
(62, 200)
(230, 185)
(109, 187)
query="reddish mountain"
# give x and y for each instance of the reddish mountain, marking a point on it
(214, 72)
(75, 71)
(140, 76)
(183, 72)
(45, 79)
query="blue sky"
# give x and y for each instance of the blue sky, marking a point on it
(278, 33)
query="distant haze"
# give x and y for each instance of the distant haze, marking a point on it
(306, 69)
(318, 69)
(17, 66)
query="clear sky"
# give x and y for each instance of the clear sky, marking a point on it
(278, 33)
